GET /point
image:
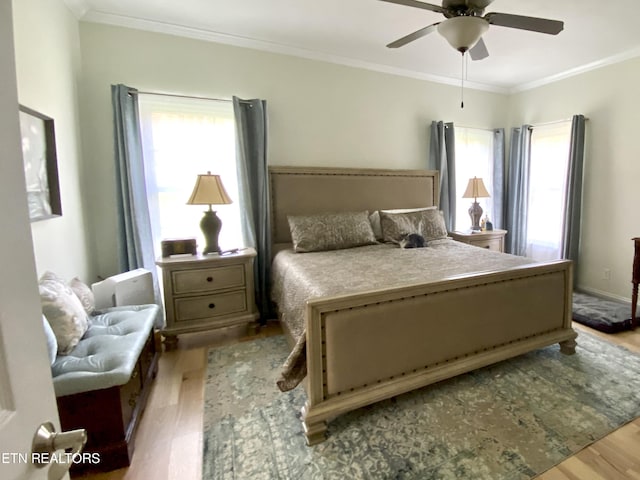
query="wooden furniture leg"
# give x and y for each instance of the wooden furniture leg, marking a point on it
(568, 347)
(635, 280)
(314, 430)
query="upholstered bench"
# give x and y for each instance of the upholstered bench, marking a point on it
(102, 385)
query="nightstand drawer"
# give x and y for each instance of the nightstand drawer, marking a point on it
(488, 243)
(207, 306)
(489, 239)
(208, 279)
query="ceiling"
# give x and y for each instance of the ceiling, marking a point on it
(355, 32)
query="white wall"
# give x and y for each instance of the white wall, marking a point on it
(47, 53)
(319, 113)
(610, 99)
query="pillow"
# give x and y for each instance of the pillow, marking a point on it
(84, 294)
(63, 311)
(428, 223)
(52, 343)
(374, 218)
(330, 231)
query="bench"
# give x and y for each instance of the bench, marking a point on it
(104, 383)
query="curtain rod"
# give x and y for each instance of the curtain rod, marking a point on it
(141, 92)
(474, 128)
(554, 122)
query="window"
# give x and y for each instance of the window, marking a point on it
(474, 158)
(548, 165)
(181, 139)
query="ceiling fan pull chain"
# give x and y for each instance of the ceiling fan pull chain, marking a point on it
(462, 83)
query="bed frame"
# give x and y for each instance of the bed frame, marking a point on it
(402, 339)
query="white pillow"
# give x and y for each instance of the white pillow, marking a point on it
(52, 343)
(63, 311)
(374, 218)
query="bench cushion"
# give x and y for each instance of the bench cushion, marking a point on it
(107, 353)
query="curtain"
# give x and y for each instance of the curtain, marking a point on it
(253, 189)
(573, 195)
(498, 192)
(134, 238)
(517, 191)
(442, 158)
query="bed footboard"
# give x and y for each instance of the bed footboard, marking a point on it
(372, 346)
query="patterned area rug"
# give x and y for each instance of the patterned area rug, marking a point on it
(512, 420)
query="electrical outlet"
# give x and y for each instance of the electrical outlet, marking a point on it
(606, 274)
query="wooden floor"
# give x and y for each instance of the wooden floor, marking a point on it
(169, 441)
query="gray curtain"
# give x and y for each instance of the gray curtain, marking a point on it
(573, 194)
(442, 158)
(517, 191)
(253, 181)
(498, 193)
(135, 241)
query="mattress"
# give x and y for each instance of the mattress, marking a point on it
(299, 277)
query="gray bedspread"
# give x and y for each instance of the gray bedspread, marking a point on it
(299, 277)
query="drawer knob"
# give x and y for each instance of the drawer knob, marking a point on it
(209, 279)
(212, 305)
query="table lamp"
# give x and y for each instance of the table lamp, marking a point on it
(475, 189)
(209, 191)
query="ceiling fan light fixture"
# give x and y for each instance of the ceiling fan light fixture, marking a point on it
(463, 32)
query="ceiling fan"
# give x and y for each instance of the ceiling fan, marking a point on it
(466, 23)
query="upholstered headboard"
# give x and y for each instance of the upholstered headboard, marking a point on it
(305, 190)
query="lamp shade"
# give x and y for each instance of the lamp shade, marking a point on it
(475, 189)
(463, 32)
(209, 190)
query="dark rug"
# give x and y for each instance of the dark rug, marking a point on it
(509, 421)
(604, 315)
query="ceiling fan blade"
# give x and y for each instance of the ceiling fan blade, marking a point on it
(466, 4)
(415, 3)
(542, 25)
(479, 51)
(413, 36)
(479, 3)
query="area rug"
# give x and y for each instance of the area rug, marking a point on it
(512, 420)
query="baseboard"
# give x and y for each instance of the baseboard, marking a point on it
(607, 296)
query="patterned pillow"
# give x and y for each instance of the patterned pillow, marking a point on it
(428, 223)
(63, 311)
(330, 231)
(374, 218)
(84, 294)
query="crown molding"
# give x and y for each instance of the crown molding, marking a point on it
(272, 47)
(84, 13)
(78, 7)
(618, 58)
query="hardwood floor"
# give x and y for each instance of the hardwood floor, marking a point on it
(169, 441)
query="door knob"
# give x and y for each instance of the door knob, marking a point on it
(47, 441)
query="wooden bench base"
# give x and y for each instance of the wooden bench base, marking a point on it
(111, 416)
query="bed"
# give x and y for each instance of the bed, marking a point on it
(358, 340)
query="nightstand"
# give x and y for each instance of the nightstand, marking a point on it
(490, 239)
(205, 292)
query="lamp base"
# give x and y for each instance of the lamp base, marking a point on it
(210, 226)
(475, 212)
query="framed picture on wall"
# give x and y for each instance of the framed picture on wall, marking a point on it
(40, 164)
